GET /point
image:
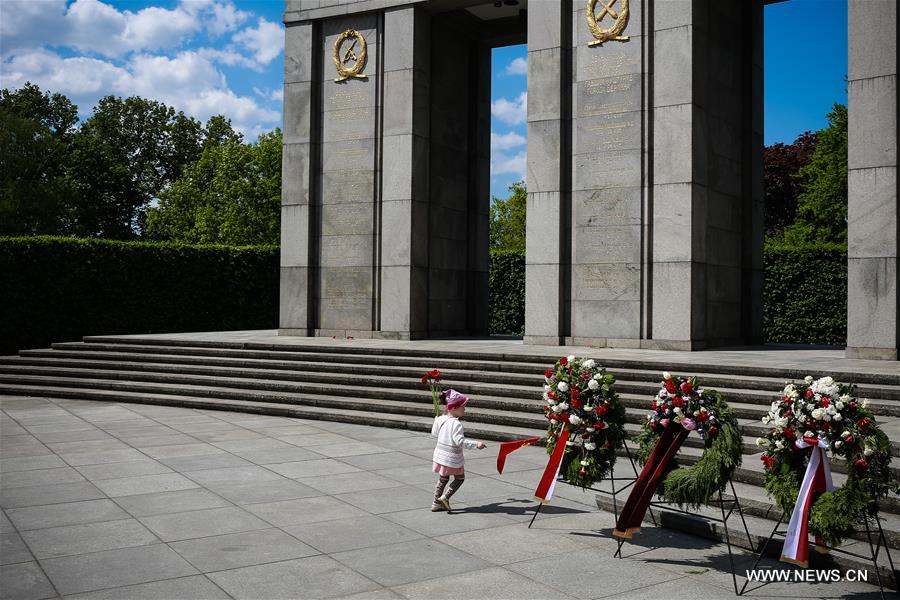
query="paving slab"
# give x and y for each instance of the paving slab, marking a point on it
(266, 491)
(87, 537)
(221, 552)
(161, 503)
(349, 482)
(132, 468)
(13, 548)
(403, 497)
(233, 475)
(487, 584)
(194, 587)
(202, 523)
(24, 581)
(40, 477)
(220, 460)
(144, 484)
(387, 460)
(69, 513)
(115, 568)
(407, 562)
(28, 463)
(48, 494)
(352, 533)
(312, 468)
(304, 510)
(99, 458)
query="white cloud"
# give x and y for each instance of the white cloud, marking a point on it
(518, 66)
(187, 82)
(265, 41)
(229, 57)
(511, 112)
(505, 141)
(267, 94)
(226, 17)
(509, 164)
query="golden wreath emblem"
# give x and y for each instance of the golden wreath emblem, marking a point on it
(352, 56)
(620, 14)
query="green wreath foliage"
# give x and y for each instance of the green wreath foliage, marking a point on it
(827, 410)
(694, 486)
(579, 394)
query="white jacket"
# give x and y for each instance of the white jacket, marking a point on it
(450, 441)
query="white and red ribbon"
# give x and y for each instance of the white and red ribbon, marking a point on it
(816, 479)
(545, 488)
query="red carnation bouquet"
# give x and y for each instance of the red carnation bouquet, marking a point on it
(433, 379)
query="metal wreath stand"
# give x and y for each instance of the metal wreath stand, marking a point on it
(720, 501)
(874, 550)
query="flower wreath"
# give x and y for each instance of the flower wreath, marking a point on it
(827, 411)
(682, 404)
(579, 396)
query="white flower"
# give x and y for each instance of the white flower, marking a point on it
(667, 375)
(677, 410)
(781, 422)
(589, 363)
(556, 408)
(827, 380)
(588, 409)
(838, 444)
(837, 417)
(810, 407)
(865, 403)
(590, 446)
(546, 388)
(839, 405)
(593, 384)
(868, 452)
(817, 414)
(570, 443)
(571, 358)
(845, 433)
(563, 405)
(808, 379)
(761, 441)
(562, 386)
(574, 419)
(598, 376)
(826, 417)
(766, 419)
(585, 463)
(808, 434)
(831, 410)
(779, 444)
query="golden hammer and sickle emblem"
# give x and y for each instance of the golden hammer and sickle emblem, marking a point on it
(349, 56)
(620, 16)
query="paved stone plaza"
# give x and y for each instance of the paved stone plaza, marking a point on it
(105, 500)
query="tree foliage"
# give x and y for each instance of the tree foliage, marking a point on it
(781, 162)
(822, 202)
(231, 195)
(508, 220)
(36, 131)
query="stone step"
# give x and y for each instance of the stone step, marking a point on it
(486, 359)
(466, 382)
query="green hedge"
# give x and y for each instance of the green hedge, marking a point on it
(59, 289)
(507, 297)
(805, 295)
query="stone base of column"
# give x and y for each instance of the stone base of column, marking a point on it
(871, 353)
(544, 340)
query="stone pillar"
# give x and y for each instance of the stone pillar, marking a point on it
(349, 192)
(548, 250)
(700, 287)
(404, 209)
(298, 273)
(872, 290)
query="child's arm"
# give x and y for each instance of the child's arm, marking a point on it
(459, 439)
(434, 427)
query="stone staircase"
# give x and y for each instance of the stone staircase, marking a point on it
(381, 386)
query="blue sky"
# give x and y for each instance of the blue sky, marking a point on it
(208, 57)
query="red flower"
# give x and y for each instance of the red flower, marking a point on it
(576, 403)
(788, 433)
(686, 387)
(548, 373)
(809, 393)
(853, 404)
(848, 439)
(599, 425)
(585, 376)
(551, 395)
(824, 402)
(653, 425)
(861, 464)
(424, 378)
(789, 413)
(864, 422)
(601, 410)
(653, 405)
(670, 386)
(678, 401)
(768, 461)
(703, 417)
(564, 361)
(576, 393)
(712, 431)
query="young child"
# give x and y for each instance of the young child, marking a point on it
(448, 453)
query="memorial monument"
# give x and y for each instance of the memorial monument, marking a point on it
(644, 170)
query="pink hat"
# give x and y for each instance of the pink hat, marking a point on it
(454, 399)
